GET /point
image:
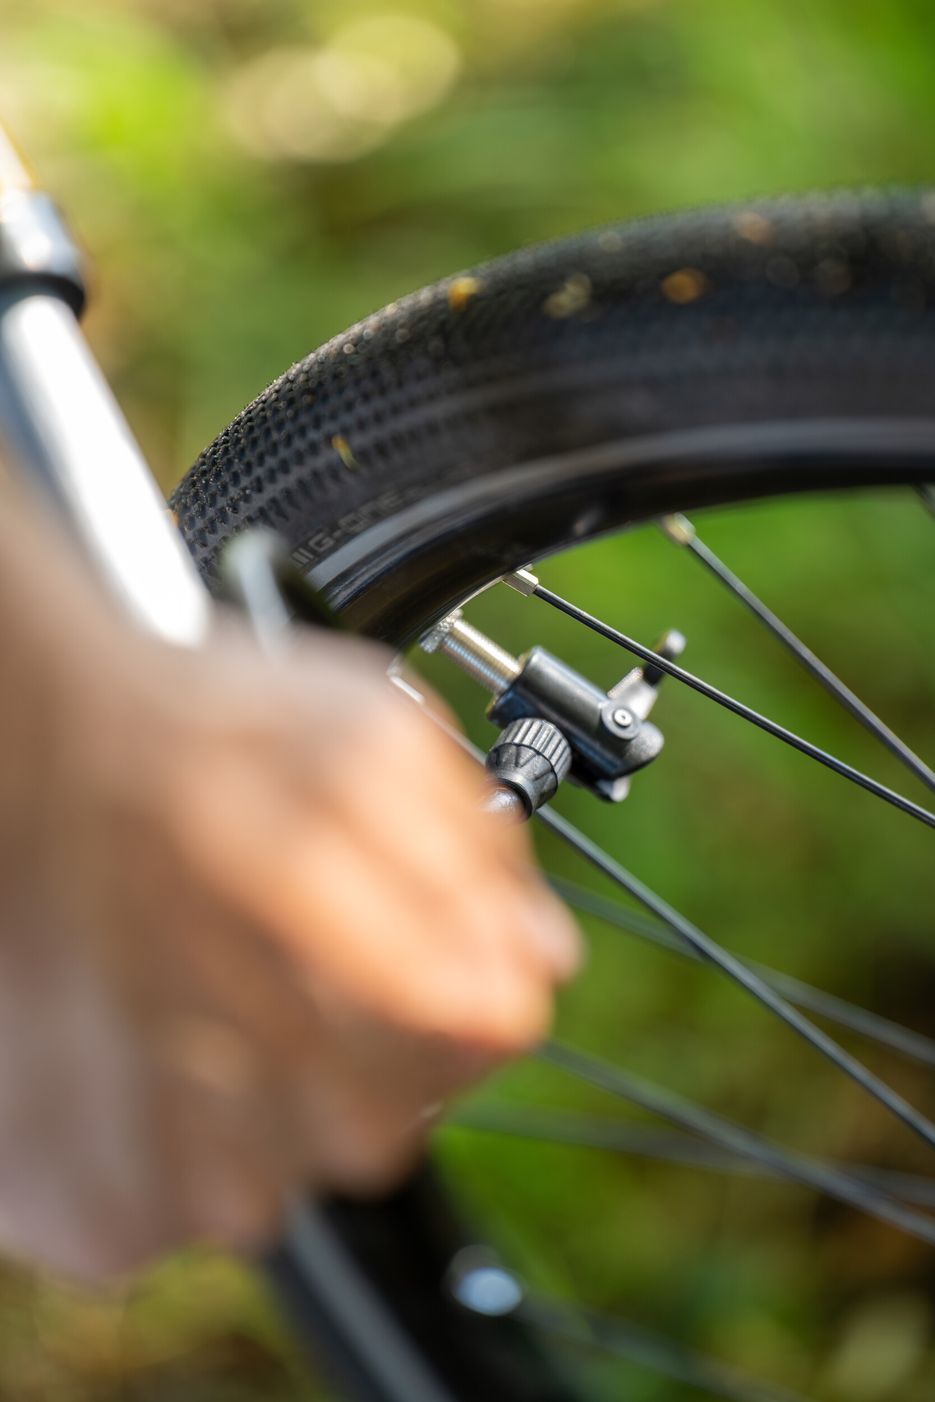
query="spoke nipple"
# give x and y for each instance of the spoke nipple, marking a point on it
(678, 528)
(671, 645)
(523, 581)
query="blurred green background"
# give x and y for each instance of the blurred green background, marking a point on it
(251, 176)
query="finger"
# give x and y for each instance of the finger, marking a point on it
(357, 1137)
(451, 871)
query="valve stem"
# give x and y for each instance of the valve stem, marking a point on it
(483, 659)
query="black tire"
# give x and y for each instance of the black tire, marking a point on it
(543, 399)
(574, 387)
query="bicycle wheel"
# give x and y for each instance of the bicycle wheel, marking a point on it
(537, 403)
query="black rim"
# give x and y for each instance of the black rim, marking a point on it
(395, 579)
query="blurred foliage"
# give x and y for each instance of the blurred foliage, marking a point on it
(251, 176)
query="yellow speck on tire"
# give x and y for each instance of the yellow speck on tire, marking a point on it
(753, 227)
(573, 296)
(832, 277)
(343, 449)
(684, 285)
(462, 290)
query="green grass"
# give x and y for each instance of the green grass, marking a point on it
(219, 259)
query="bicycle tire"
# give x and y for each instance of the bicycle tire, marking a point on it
(539, 401)
(574, 387)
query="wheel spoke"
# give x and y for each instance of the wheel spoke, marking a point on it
(927, 496)
(332, 1302)
(712, 952)
(903, 1040)
(737, 1140)
(681, 531)
(747, 713)
(647, 1349)
(575, 1130)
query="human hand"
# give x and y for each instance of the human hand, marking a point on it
(256, 927)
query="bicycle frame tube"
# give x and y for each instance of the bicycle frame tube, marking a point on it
(65, 434)
(13, 173)
(63, 426)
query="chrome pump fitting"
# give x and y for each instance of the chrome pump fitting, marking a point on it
(607, 732)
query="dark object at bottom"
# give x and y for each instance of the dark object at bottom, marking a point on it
(406, 1244)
